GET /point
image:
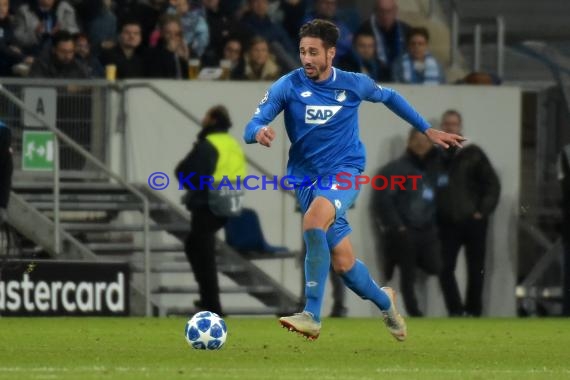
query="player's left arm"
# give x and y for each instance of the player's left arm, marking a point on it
(400, 106)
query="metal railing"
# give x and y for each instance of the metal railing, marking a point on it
(549, 143)
(78, 110)
(60, 136)
(190, 116)
(458, 21)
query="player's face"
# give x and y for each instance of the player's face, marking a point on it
(418, 47)
(259, 53)
(316, 60)
(419, 144)
(365, 47)
(82, 47)
(451, 124)
(131, 36)
(46, 4)
(64, 52)
(4, 8)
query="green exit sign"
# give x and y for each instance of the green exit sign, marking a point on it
(38, 150)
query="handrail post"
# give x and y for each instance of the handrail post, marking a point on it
(147, 263)
(477, 51)
(56, 203)
(431, 8)
(454, 37)
(72, 144)
(500, 46)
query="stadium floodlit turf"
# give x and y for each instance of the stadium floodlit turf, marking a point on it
(257, 348)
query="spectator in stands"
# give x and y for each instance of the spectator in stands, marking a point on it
(100, 24)
(10, 53)
(38, 21)
(326, 9)
(5, 170)
(407, 218)
(469, 195)
(363, 59)
(564, 177)
(194, 26)
(126, 56)
(169, 59)
(145, 14)
(61, 62)
(294, 11)
(417, 65)
(84, 56)
(389, 32)
(259, 64)
(257, 20)
(233, 52)
(222, 26)
(216, 153)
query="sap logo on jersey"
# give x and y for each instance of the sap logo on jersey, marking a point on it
(320, 114)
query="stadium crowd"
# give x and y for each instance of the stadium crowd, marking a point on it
(250, 39)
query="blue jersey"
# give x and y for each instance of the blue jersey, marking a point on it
(321, 119)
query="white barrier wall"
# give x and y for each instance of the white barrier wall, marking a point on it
(159, 136)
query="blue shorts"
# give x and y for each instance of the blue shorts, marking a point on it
(342, 200)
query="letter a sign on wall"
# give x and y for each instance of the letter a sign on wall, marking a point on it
(43, 102)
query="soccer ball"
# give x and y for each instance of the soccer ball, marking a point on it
(206, 331)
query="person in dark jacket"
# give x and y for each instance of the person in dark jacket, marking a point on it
(390, 33)
(5, 170)
(363, 58)
(564, 177)
(61, 62)
(169, 59)
(407, 217)
(469, 195)
(127, 55)
(216, 153)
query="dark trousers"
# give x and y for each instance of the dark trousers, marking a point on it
(473, 235)
(6, 166)
(566, 269)
(200, 249)
(409, 250)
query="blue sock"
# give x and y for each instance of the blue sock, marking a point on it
(317, 264)
(358, 279)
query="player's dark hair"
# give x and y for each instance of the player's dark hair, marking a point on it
(61, 36)
(362, 33)
(420, 31)
(322, 29)
(413, 132)
(221, 116)
(452, 112)
(129, 22)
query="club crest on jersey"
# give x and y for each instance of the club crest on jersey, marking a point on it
(320, 114)
(340, 95)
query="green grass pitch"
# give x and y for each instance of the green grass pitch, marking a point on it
(257, 348)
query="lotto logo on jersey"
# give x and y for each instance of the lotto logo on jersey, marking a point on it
(320, 114)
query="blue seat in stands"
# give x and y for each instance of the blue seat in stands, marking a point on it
(244, 234)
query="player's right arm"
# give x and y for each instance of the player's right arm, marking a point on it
(258, 129)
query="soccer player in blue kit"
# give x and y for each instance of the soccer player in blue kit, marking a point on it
(320, 105)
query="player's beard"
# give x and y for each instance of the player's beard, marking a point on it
(316, 71)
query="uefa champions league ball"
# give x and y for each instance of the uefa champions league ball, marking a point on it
(206, 331)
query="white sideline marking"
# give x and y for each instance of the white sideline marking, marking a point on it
(378, 370)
